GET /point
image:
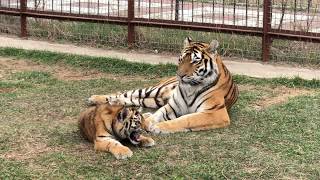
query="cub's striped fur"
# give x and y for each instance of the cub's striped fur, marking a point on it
(198, 98)
(105, 124)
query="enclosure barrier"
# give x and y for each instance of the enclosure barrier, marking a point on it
(279, 19)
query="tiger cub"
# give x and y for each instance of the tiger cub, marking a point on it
(106, 124)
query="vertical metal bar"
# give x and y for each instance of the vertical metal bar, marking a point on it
(161, 9)
(202, 11)
(61, 5)
(108, 8)
(258, 13)
(223, 12)
(213, 11)
(52, 5)
(234, 12)
(140, 7)
(171, 10)
(119, 8)
(98, 11)
(23, 19)
(182, 4)
(176, 14)
(131, 32)
(79, 7)
(88, 6)
(70, 4)
(294, 14)
(266, 39)
(149, 8)
(246, 12)
(192, 11)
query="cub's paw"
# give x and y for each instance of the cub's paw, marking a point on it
(113, 100)
(146, 115)
(97, 99)
(147, 142)
(121, 152)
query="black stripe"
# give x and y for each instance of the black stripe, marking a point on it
(140, 91)
(125, 95)
(182, 96)
(142, 102)
(231, 87)
(147, 92)
(205, 66)
(102, 136)
(175, 101)
(157, 102)
(226, 71)
(164, 118)
(174, 111)
(211, 65)
(204, 89)
(202, 103)
(216, 107)
(167, 116)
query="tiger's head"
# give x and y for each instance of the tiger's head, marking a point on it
(197, 63)
(127, 124)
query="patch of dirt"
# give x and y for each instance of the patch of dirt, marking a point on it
(7, 90)
(62, 72)
(282, 94)
(30, 151)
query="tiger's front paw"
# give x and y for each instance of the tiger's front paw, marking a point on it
(146, 141)
(97, 99)
(154, 129)
(121, 152)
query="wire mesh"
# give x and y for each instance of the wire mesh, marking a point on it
(171, 40)
(118, 8)
(229, 12)
(9, 24)
(81, 33)
(10, 3)
(296, 52)
(296, 15)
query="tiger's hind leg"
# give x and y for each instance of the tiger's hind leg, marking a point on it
(151, 97)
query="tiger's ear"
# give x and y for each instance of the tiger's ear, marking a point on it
(187, 42)
(213, 46)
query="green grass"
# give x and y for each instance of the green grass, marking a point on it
(39, 136)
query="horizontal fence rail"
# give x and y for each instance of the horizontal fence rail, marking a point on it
(276, 19)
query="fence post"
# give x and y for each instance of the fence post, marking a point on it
(266, 39)
(23, 19)
(131, 32)
(176, 14)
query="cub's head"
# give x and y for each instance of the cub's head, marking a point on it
(127, 124)
(197, 62)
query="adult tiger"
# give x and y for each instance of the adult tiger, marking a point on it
(198, 98)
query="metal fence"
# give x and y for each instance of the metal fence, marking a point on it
(297, 20)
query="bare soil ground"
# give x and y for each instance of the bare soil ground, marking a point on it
(62, 72)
